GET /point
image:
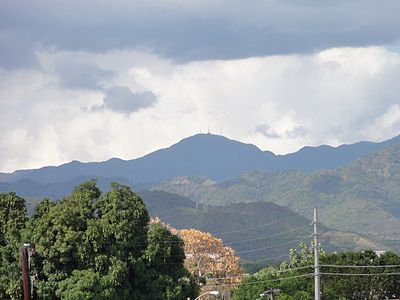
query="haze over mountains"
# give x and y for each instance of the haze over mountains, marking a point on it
(212, 156)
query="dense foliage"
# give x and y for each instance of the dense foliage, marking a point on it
(298, 284)
(12, 222)
(212, 263)
(91, 245)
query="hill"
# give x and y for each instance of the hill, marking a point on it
(362, 197)
(212, 156)
(260, 231)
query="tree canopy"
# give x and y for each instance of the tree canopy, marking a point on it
(93, 245)
(12, 223)
(294, 278)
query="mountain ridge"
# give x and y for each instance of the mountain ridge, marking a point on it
(209, 155)
(362, 197)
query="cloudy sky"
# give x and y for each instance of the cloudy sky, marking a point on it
(91, 80)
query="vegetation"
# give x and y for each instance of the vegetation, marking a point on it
(298, 284)
(91, 245)
(209, 261)
(362, 197)
(260, 232)
(12, 222)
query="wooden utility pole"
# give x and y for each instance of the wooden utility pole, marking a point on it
(26, 280)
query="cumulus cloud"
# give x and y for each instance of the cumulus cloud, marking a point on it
(280, 103)
(387, 124)
(122, 99)
(192, 30)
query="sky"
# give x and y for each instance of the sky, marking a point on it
(92, 80)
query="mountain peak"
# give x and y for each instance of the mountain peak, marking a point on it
(212, 142)
(213, 156)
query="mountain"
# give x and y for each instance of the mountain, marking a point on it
(212, 156)
(310, 159)
(362, 197)
(260, 231)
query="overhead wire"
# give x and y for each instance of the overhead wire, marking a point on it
(259, 281)
(262, 237)
(360, 267)
(242, 230)
(271, 258)
(270, 247)
(361, 274)
(275, 272)
(297, 276)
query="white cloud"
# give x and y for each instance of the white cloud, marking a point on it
(340, 95)
(384, 125)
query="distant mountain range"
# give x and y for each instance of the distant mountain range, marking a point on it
(356, 187)
(361, 197)
(212, 156)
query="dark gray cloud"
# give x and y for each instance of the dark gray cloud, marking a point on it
(193, 30)
(267, 131)
(74, 74)
(122, 100)
(16, 50)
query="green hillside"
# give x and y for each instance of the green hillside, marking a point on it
(363, 197)
(260, 231)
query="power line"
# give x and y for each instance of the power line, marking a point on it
(226, 244)
(274, 272)
(311, 266)
(259, 281)
(262, 237)
(270, 247)
(362, 274)
(241, 230)
(305, 275)
(357, 266)
(262, 259)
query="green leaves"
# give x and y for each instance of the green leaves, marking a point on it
(165, 256)
(12, 216)
(12, 223)
(300, 286)
(91, 245)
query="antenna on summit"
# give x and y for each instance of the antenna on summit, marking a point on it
(208, 132)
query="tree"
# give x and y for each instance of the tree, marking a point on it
(165, 257)
(91, 245)
(300, 286)
(210, 260)
(12, 222)
(12, 216)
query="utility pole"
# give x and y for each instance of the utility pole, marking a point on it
(317, 283)
(26, 280)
